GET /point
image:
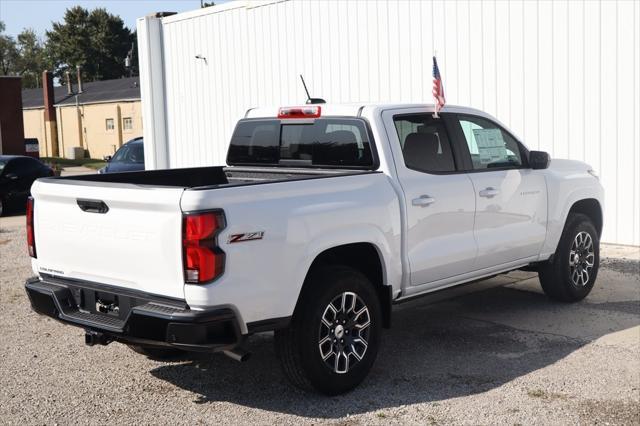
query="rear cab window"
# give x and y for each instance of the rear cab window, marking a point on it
(323, 142)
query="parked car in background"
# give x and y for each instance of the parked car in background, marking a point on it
(129, 158)
(17, 173)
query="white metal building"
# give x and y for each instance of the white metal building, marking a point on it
(564, 75)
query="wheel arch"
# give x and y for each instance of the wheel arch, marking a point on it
(585, 197)
(591, 208)
(364, 257)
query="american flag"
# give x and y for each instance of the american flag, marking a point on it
(438, 89)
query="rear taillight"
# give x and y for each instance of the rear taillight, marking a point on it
(203, 259)
(31, 237)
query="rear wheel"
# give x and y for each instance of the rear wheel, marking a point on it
(157, 353)
(570, 276)
(1, 206)
(334, 336)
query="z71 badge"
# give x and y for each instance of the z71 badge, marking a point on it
(248, 236)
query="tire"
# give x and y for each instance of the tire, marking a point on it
(571, 273)
(2, 206)
(157, 353)
(347, 360)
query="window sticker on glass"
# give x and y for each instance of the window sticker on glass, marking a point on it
(491, 146)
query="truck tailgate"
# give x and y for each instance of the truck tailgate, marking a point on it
(135, 244)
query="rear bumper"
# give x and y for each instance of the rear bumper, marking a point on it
(134, 317)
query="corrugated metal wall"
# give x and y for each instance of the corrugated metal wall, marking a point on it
(564, 75)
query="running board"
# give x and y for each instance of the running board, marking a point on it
(462, 289)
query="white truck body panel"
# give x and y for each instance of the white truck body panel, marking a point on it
(518, 211)
(568, 181)
(459, 237)
(299, 221)
(137, 245)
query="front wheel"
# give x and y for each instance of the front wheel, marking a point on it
(334, 336)
(570, 276)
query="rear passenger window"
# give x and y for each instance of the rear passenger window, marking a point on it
(490, 146)
(425, 144)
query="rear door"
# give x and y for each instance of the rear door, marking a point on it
(511, 198)
(118, 234)
(439, 198)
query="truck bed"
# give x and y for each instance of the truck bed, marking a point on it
(126, 229)
(209, 177)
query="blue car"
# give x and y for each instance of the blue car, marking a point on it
(129, 158)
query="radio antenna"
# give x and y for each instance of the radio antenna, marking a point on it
(310, 100)
(305, 88)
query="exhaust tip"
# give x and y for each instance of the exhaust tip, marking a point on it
(238, 354)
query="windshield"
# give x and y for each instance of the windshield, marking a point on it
(325, 142)
(2, 164)
(130, 153)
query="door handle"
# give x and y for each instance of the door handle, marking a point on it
(92, 206)
(423, 201)
(489, 192)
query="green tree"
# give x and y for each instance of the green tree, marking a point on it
(96, 40)
(31, 58)
(68, 43)
(8, 52)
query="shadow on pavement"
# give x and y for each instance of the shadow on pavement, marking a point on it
(432, 352)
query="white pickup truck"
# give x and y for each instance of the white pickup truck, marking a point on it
(326, 216)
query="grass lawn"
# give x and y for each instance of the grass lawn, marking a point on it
(91, 163)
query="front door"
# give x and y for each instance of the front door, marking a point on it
(439, 198)
(511, 198)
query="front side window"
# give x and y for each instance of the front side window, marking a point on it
(109, 124)
(323, 142)
(489, 145)
(425, 144)
(127, 123)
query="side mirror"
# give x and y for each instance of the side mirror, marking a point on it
(11, 176)
(107, 158)
(539, 160)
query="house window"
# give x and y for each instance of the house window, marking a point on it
(127, 123)
(109, 124)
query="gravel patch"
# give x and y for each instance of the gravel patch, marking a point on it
(505, 355)
(626, 266)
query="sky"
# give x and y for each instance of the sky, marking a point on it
(38, 14)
